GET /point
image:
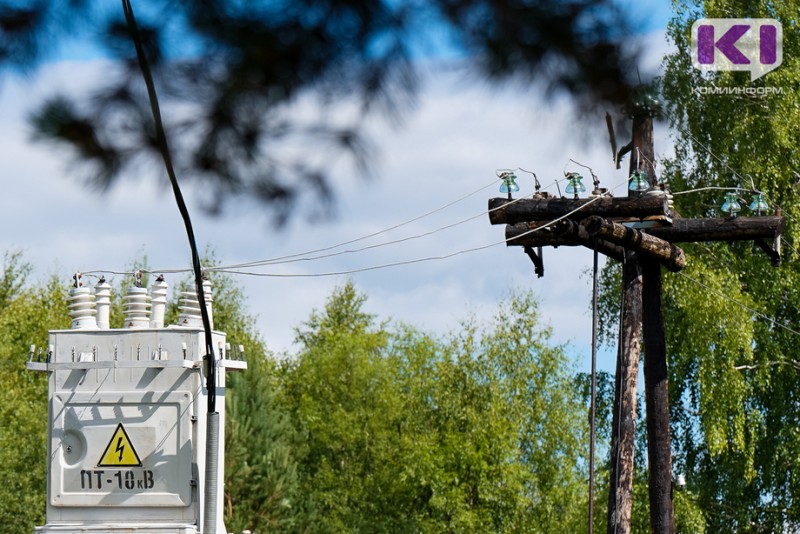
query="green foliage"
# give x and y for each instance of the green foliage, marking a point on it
(261, 485)
(401, 432)
(25, 316)
(733, 365)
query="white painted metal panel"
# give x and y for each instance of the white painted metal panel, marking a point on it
(157, 433)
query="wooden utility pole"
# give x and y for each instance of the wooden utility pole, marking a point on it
(623, 430)
(640, 231)
(656, 384)
(505, 211)
(642, 283)
(656, 387)
(623, 427)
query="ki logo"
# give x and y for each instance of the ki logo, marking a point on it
(753, 45)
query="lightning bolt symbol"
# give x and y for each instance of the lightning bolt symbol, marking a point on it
(120, 448)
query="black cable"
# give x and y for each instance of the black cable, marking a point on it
(161, 138)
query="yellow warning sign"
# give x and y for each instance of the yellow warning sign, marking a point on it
(119, 451)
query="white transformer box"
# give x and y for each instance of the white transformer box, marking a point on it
(127, 417)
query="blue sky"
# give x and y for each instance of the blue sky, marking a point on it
(648, 16)
(450, 146)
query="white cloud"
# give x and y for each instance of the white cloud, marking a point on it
(451, 145)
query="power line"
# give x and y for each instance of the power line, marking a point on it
(712, 187)
(417, 260)
(281, 259)
(350, 251)
(237, 268)
(297, 257)
(724, 163)
(292, 258)
(362, 238)
(708, 150)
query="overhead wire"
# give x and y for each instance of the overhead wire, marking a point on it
(305, 256)
(417, 260)
(712, 188)
(351, 251)
(367, 236)
(291, 258)
(281, 259)
(710, 152)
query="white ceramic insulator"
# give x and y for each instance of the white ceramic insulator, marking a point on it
(158, 292)
(209, 296)
(82, 308)
(102, 293)
(137, 308)
(189, 310)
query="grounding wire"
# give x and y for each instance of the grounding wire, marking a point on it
(617, 386)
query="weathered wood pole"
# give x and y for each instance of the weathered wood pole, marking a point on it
(623, 427)
(738, 229)
(504, 211)
(565, 233)
(656, 386)
(623, 430)
(646, 245)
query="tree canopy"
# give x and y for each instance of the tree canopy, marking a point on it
(234, 77)
(401, 432)
(26, 314)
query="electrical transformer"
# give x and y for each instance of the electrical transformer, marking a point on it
(127, 417)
